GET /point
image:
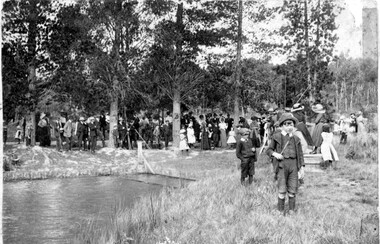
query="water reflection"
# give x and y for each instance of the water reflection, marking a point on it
(50, 211)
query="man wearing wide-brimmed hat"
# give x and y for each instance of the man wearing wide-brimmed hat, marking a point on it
(288, 162)
(246, 152)
(322, 118)
(298, 112)
(122, 128)
(82, 133)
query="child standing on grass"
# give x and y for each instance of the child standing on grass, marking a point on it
(231, 141)
(328, 151)
(343, 128)
(183, 146)
(246, 152)
(18, 134)
(286, 152)
(191, 135)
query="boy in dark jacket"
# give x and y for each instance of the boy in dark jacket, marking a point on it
(246, 152)
(288, 162)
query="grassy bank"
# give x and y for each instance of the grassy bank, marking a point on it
(335, 206)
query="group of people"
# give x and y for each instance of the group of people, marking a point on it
(286, 153)
(288, 140)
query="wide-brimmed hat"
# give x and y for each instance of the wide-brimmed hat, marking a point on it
(287, 116)
(270, 110)
(81, 118)
(121, 118)
(297, 107)
(91, 118)
(318, 109)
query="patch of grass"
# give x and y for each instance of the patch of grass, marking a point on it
(218, 209)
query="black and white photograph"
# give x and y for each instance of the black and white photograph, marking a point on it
(189, 121)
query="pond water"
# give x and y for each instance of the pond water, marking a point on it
(52, 210)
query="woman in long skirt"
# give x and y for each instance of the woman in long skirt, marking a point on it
(298, 112)
(223, 136)
(190, 135)
(183, 146)
(322, 118)
(204, 134)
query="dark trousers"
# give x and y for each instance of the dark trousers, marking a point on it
(28, 141)
(69, 142)
(247, 167)
(92, 143)
(103, 131)
(288, 176)
(343, 138)
(166, 139)
(82, 138)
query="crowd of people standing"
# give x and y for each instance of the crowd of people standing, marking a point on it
(206, 132)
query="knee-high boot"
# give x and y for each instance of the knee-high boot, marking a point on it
(242, 180)
(292, 203)
(250, 179)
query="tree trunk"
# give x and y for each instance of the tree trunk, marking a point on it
(309, 82)
(1, 161)
(176, 85)
(176, 117)
(345, 96)
(316, 59)
(238, 65)
(113, 120)
(352, 93)
(32, 82)
(337, 97)
(34, 126)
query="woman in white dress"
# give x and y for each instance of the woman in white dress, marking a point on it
(183, 146)
(328, 151)
(223, 136)
(190, 135)
(231, 142)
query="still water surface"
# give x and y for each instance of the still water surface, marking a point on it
(52, 211)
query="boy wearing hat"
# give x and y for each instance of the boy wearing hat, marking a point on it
(246, 152)
(288, 162)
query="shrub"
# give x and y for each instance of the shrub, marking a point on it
(10, 159)
(363, 146)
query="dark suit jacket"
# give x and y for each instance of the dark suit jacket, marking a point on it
(82, 128)
(277, 145)
(93, 128)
